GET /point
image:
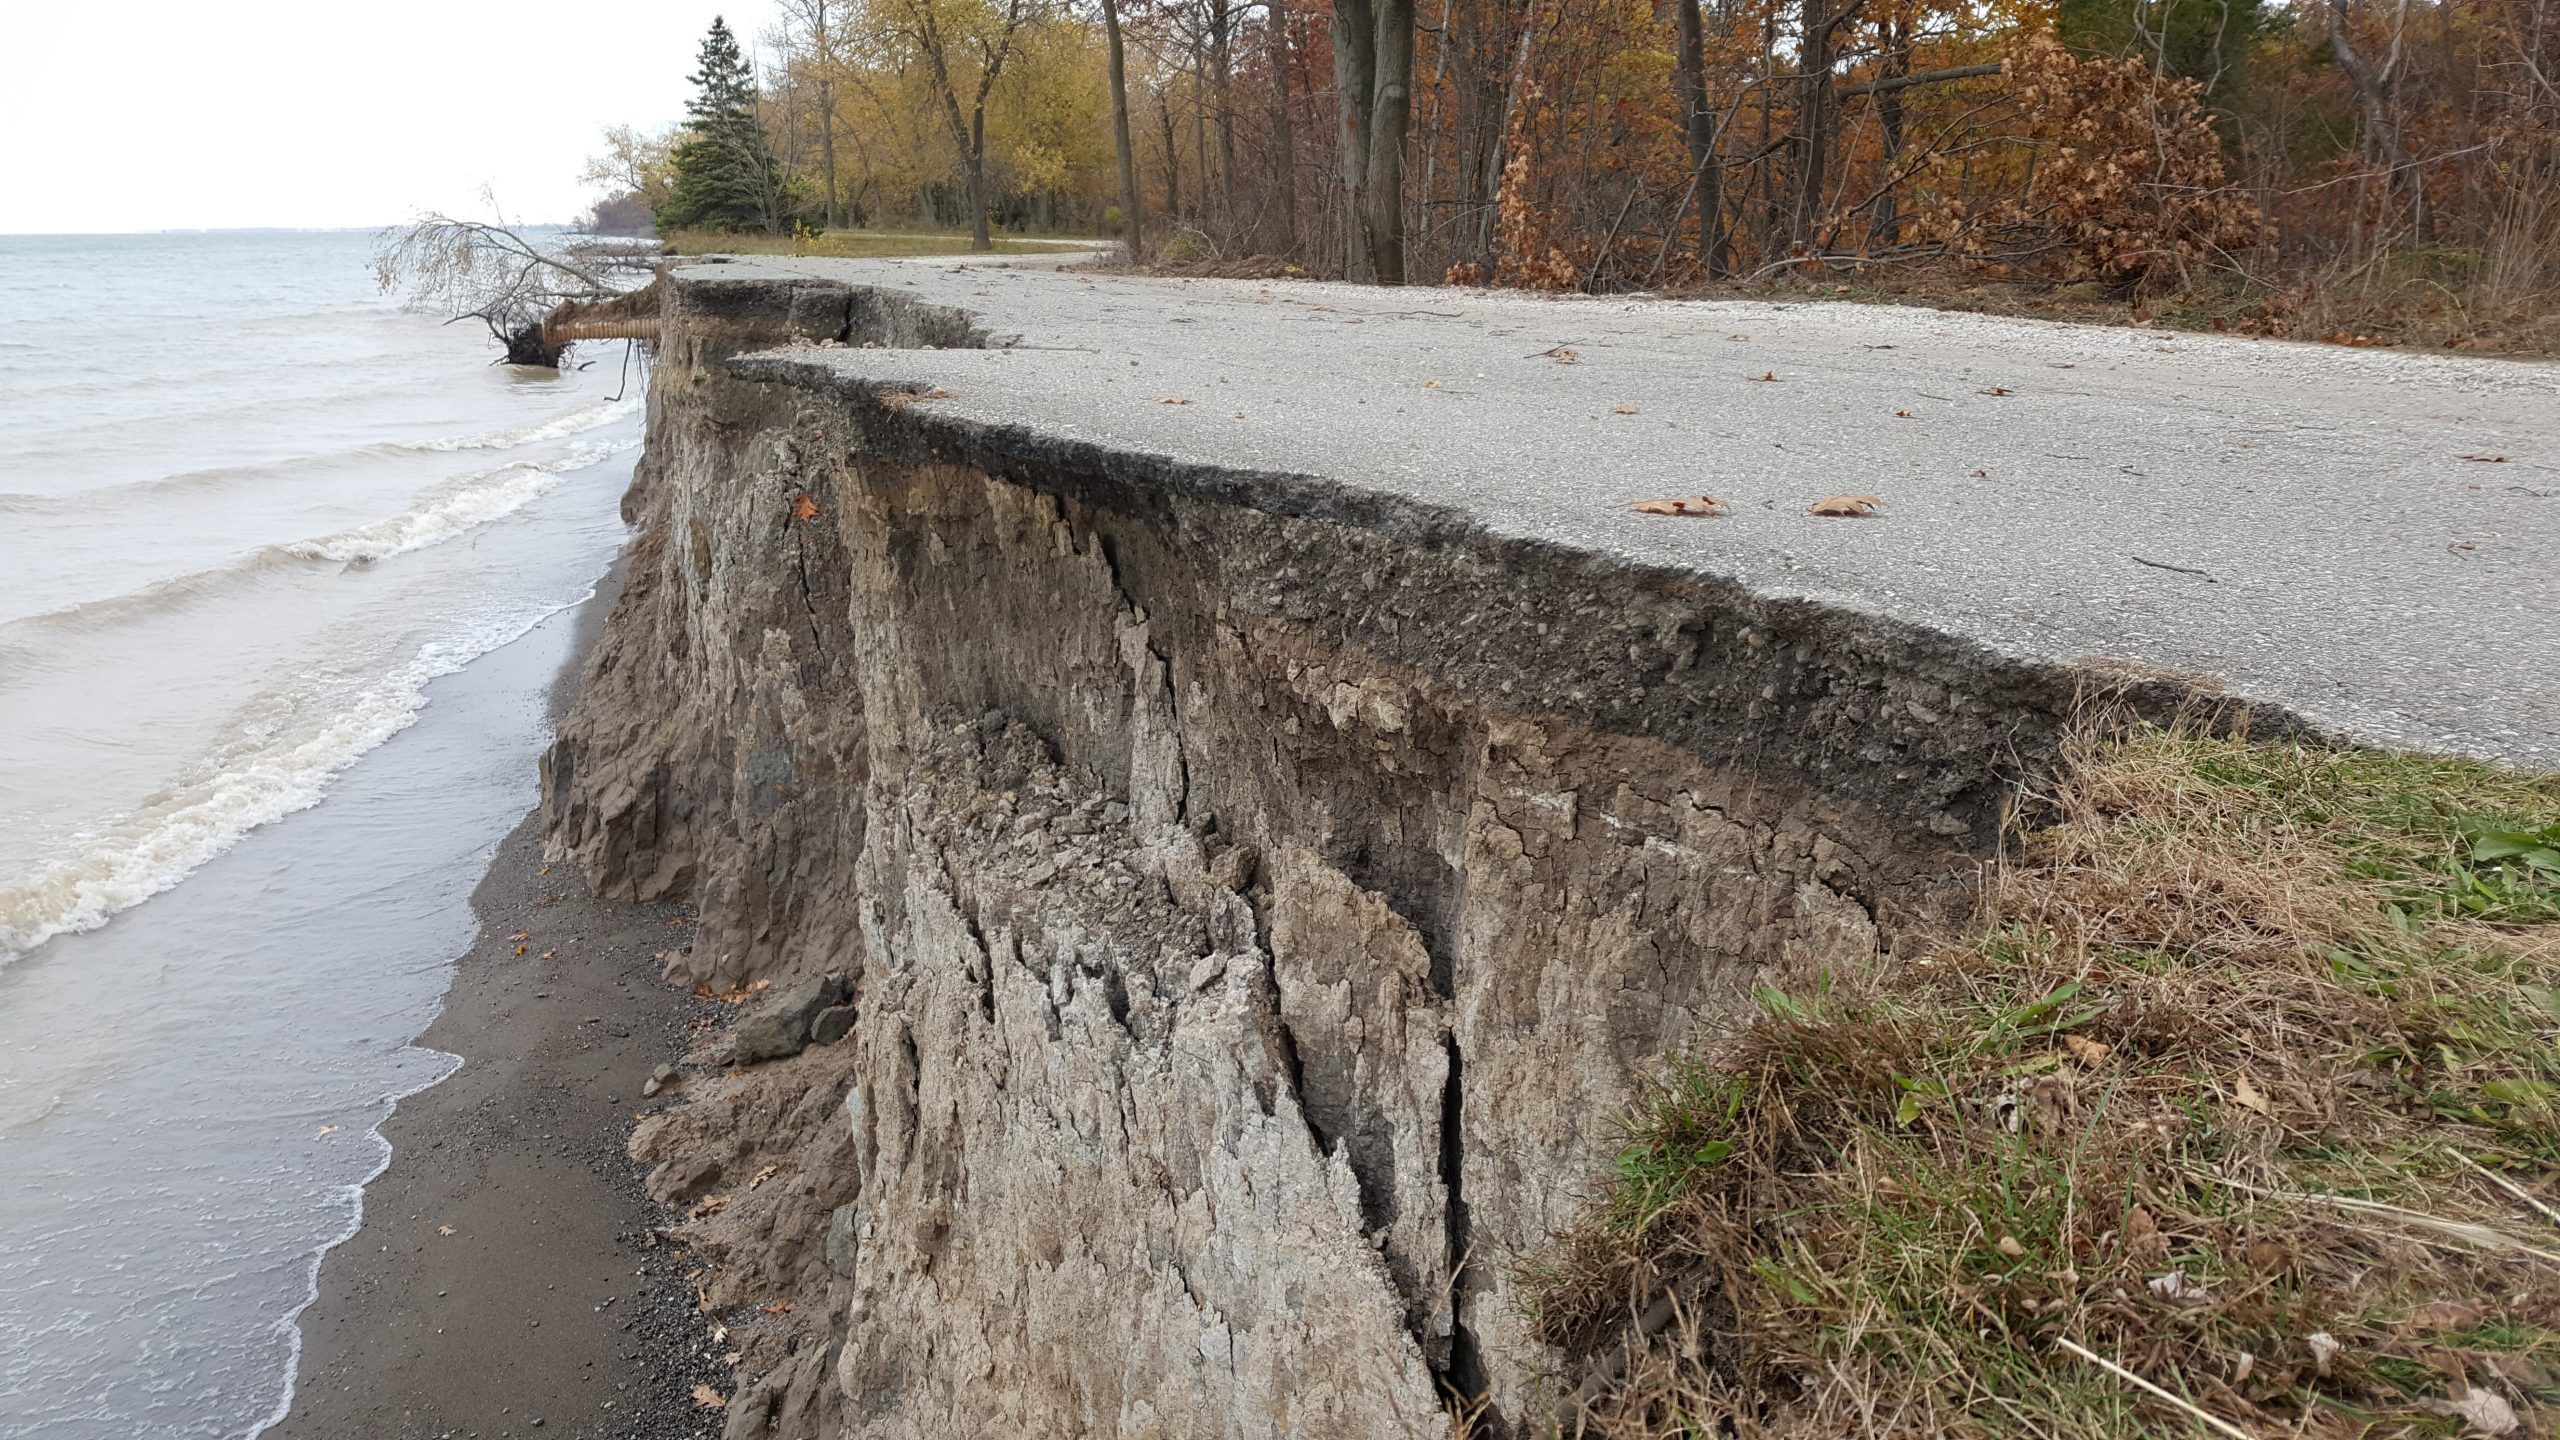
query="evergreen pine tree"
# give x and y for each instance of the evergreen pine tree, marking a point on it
(726, 177)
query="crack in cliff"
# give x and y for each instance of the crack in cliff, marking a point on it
(1293, 1072)
(800, 548)
(1461, 1376)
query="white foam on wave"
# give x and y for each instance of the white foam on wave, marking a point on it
(133, 857)
(558, 427)
(252, 473)
(450, 509)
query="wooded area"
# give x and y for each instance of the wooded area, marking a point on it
(2306, 161)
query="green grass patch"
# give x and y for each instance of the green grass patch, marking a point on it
(2245, 1080)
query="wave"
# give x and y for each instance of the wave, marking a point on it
(221, 477)
(136, 856)
(288, 1327)
(558, 427)
(214, 478)
(448, 510)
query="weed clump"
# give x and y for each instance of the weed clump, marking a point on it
(2244, 1083)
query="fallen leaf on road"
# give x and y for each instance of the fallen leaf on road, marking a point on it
(709, 1399)
(1847, 506)
(1772, 375)
(327, 1130)
(1993, 390)
(803, 508)
(444, 1230)
(1430, 384)
(2484, 459)
(1981, 474)
(1172, 400)
(1687, 505)
(1625, 410)
(521, 935)
(1564, 355)
(1904, 415)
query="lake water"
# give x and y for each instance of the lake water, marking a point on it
(284, 574)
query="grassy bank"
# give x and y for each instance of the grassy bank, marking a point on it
(857, 244)
(2243, 1088)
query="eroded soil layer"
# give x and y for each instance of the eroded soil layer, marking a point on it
(1258, 898)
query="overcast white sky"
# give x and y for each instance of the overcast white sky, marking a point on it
(178, 114)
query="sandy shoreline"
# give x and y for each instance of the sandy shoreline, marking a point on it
(507, 1279)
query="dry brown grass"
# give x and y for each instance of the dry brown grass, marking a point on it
(2245, 1081)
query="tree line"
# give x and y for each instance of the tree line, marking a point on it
(2138, 147)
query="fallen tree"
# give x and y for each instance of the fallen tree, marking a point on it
(503, 278)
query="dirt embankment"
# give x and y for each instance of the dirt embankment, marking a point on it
(1254, 924)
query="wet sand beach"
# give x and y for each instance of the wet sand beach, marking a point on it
(507, 1280)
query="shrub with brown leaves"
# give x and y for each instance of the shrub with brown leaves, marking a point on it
(2123, 183)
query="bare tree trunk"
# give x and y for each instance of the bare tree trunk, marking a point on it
(1489, 201)
(1221, 63)
(827, 152)
(1203, 192)
(1284, 132)
(1699, 126)
(1435, 125)
(1762, 177)
(1815, 54)
(979, 238)
(822, 31)
(1172, 159)
(1390, 117)
(1355, 73)
(1886, 231)
(2376, 94)
(1132, 219)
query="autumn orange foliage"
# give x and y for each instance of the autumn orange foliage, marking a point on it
(2306, 166)
(2127, 186)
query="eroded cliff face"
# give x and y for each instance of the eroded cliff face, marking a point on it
(1259, 900)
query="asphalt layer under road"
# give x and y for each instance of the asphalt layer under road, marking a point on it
(2304, 523)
